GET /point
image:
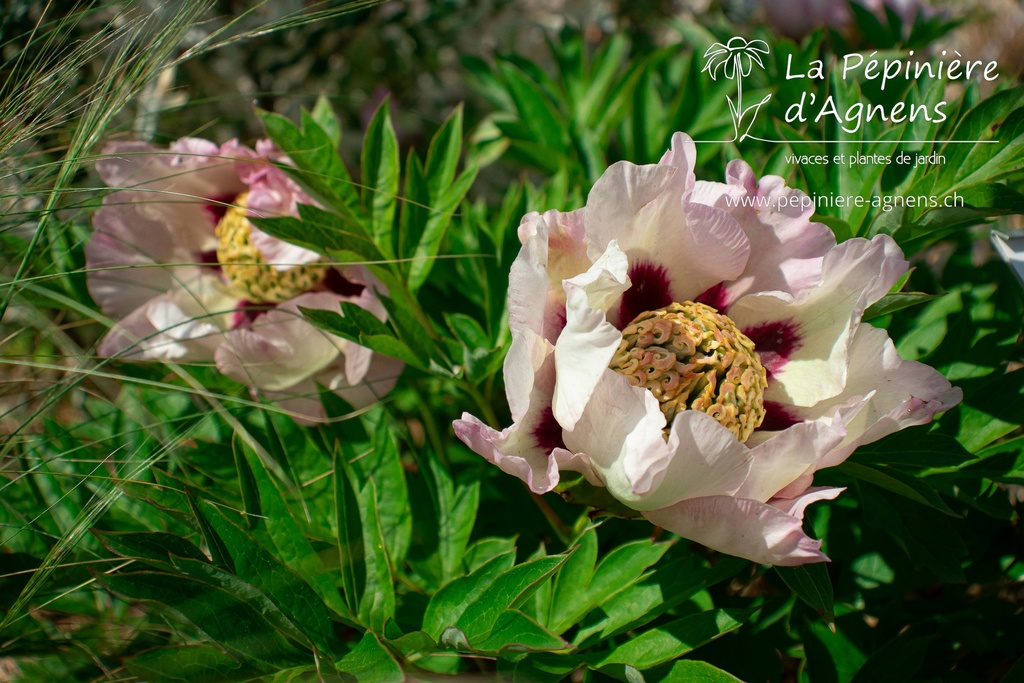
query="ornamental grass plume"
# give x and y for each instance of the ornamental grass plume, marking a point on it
(697, 349)
(176, 261)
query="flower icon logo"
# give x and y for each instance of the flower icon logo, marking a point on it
(736, 59)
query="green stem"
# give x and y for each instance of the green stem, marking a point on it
(560, 528)
(490, 417)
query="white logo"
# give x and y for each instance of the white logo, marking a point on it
(736, 59)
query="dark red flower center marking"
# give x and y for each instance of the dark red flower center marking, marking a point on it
(650, 291)
(775, 342)
(208, 259)
(216, 207)
(716, 297)
(246, 313)
(548, 432)
(777, 417)
(340, 285)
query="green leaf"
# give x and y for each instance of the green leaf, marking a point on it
(321, 231)
(324, 116)
(294, 597)
(665, 643)
(507, 591)
(221, 617)
(890, 303)
(692, 671)
(454, 505)
(443, 156)
(378, 600)
(897, 661)
(319, 168)
(383, 465)
(670, 583)
(448, 604)
(246, 484)
(292, 546)
(381, 171)
(546, 126)
(517, 632)
(441, 212)
(810, 583)
(153, 548)
(897, 482)
(351, 548)
(913, 449)
(218, 551)
(570, 596)
(382, 341)
(371, 661)
(188, 664)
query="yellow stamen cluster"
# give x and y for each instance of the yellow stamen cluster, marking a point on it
(244, 266)
(691, 357)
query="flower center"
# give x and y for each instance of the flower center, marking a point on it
(244, 266)
(691, 357)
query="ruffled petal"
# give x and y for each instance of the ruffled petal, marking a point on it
(554, 249)
(884, 392)
(282, 348)
(191, 168)
(644, 208)
(764, 533)
(184, 324)
(524, 449)
(807, 337)
(776, 219)
(621, 433)
(586, 345)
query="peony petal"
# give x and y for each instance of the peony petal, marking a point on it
(746, 528)
(643, 209)
(776, 220)
(525, 449)
(282, 348)
(190, 168)
(554, 249)
(280, 254)
(780, 460)
(813, 330)
(890, 394)
(586, 345)
(620, 433)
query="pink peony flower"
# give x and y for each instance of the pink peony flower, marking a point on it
(175, 260)
(699, 358)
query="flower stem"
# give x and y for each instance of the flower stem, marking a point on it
(560, 528)
(490, 417)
